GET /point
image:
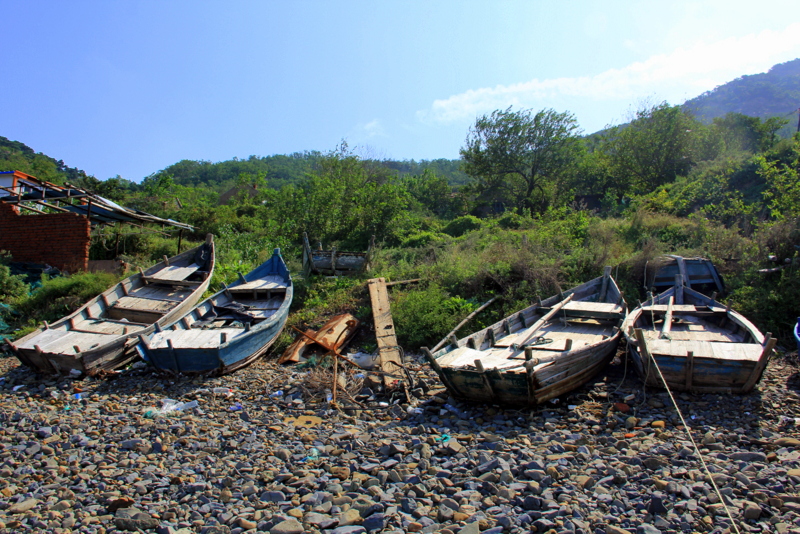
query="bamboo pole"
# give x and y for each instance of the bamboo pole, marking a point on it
(462, 323)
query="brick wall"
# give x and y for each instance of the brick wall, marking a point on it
(58, 239)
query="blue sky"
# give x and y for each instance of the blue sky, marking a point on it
(130, 87)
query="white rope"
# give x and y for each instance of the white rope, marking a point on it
(696, 448)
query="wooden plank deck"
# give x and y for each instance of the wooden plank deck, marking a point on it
(388, 349)
(149, 305)
(63, 342)
(590, 332)
(105, 326)
(174, 273)
(262, 284)
(160, 293)
(706, 349)
(206, 338)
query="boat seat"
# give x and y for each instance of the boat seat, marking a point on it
(719, 350)
(268, 283)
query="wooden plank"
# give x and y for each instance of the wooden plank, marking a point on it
(160, 293)
(526, 335)
(109, 327)
(391, 360)
(148, 305)
(262, 304)
(67, 341)
(174, 273)
(206, 338)
(762, 363)
(706, 349)
(262, 284)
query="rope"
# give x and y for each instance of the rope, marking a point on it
(696, 448)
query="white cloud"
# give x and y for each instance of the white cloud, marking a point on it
(371, 129)
(683, 73)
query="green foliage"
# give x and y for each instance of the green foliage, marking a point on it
(61, 296)
(654, 149)
(11, 286)
(462, 225)
(344, 201)
(432, 194)
(425, 315)
(782, 196)
(518, 157)
(513, 221)
(421, 239)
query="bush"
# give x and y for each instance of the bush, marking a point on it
(462, 225)
(423, 317)
(11, 286)
(421, 239)
(63, 295)
(512, 221)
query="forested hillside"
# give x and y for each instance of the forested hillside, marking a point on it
(769, 94)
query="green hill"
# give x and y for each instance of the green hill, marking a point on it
(769, 94)
(16, 156)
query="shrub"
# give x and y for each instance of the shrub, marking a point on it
(421, 239)
(424, 316)
(63, 295)
(462, 225)
(11, 286)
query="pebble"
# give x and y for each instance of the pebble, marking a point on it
(584, 465)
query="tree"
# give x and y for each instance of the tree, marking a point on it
(654, 148)
(520, 156)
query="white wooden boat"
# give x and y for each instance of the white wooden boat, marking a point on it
(538, 353)
(100, 336)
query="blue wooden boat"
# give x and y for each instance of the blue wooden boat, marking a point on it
(697, 344)
(228, 330)
(699, 274)
(797, 333)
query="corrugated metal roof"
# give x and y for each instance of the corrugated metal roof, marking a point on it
(27, 191)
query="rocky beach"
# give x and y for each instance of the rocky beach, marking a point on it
(262, 450)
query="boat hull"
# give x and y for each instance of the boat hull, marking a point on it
(706, 348)
(539, 353)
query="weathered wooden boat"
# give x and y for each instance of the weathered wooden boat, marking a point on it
(697, 344)
(699, 274)
(229, 330)
(538, 353)
(100, 336)
(334, 262)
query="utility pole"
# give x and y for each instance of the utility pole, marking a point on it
(798, 120)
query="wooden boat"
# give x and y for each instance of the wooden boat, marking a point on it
(698, 344)
(334, 262)
(228, 330)
(100, 336)
(699, 274)
(538, 353)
